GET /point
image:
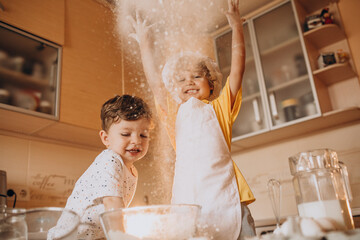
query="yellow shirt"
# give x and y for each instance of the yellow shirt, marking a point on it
(226, 117)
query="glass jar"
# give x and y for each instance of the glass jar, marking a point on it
(320, 189)
(290, 107)
(12, 224)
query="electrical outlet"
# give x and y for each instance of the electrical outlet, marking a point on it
(22, 192)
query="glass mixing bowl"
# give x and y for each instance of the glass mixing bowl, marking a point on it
(12, 224)
(170, 222)
(42, 220)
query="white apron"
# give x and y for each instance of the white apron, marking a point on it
(204, 172)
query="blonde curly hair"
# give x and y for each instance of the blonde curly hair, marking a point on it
(180, 61)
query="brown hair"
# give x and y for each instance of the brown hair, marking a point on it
(125, 107)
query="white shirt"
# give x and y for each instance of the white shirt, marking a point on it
(106, 176)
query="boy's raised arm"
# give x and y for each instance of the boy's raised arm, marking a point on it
(237, 48)
(151, 69)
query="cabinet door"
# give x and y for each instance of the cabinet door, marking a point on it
(290, 91)
(45, 19)
(251, 118)
(29, 73)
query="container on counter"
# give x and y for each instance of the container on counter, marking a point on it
(320, 190)
(291, 109)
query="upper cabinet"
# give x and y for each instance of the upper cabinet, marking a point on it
(285, 90)
(45, 19)
(76, 75)
(328, 50)
(290, 95)
(29, 73)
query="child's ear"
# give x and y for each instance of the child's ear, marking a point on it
(104, 138)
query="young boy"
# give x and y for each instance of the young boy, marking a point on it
(204, 171)
(110, 181)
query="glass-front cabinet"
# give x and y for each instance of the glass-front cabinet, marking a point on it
(29, 73)
(278, 89)
(252, 117)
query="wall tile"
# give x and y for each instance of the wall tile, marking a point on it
(54, 170)
(14, 154)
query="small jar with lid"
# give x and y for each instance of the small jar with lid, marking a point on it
(290, 107)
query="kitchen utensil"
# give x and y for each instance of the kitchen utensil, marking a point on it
(345, 175)
(12, 224)
(41, 220)
(3, 189)
(274, 189)
(319, 186)
(151, 222)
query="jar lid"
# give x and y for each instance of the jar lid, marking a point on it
(313, 160)
(289, 102)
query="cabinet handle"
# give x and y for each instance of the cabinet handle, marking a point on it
(256, 110)
(2, 9)
(273, 107)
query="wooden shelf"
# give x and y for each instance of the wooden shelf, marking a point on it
(251, 97)
(282, 46)
(288, 83)
(24, 80)
(324, 35)
(334, 73)
(327, 120)
(311, 5)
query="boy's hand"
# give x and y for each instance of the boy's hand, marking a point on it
(142, 30)
(233, 14)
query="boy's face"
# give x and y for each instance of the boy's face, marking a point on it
(129, 139)
(192, 83)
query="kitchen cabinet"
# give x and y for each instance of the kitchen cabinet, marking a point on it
(91, 72)
(45, 19)
(253, 114)
(327, 38)
(284, 92)
(29, 73)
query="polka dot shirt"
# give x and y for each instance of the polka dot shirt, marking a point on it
(106, 176)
